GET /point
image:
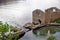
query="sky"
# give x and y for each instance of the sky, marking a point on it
(20, 12)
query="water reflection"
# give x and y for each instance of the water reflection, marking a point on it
(30, 36)
(48, 33)
(42, 33)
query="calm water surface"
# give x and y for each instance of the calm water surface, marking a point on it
(30, 36)
(37, 34)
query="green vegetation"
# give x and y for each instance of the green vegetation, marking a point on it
(51, 38)
(12, 37)
(43, 31)
(57, 20)
(13, 29)
(4, 28)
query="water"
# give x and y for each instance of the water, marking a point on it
(21, 12)
(38, 35)
(48, 33)
(30, 36)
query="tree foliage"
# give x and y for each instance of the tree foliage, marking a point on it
(4, 27)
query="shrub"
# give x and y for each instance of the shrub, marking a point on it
(51, 38)
(4, 27)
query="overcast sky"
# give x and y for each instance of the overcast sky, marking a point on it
(20, 12)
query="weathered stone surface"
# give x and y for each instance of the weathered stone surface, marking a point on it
(38, 16)
(50, 14)
(29, 25)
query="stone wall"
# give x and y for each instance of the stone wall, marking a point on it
(38, 15)
(49, 16)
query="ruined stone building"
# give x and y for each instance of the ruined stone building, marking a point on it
(51, 14)
(46, 17)
(38, 16)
